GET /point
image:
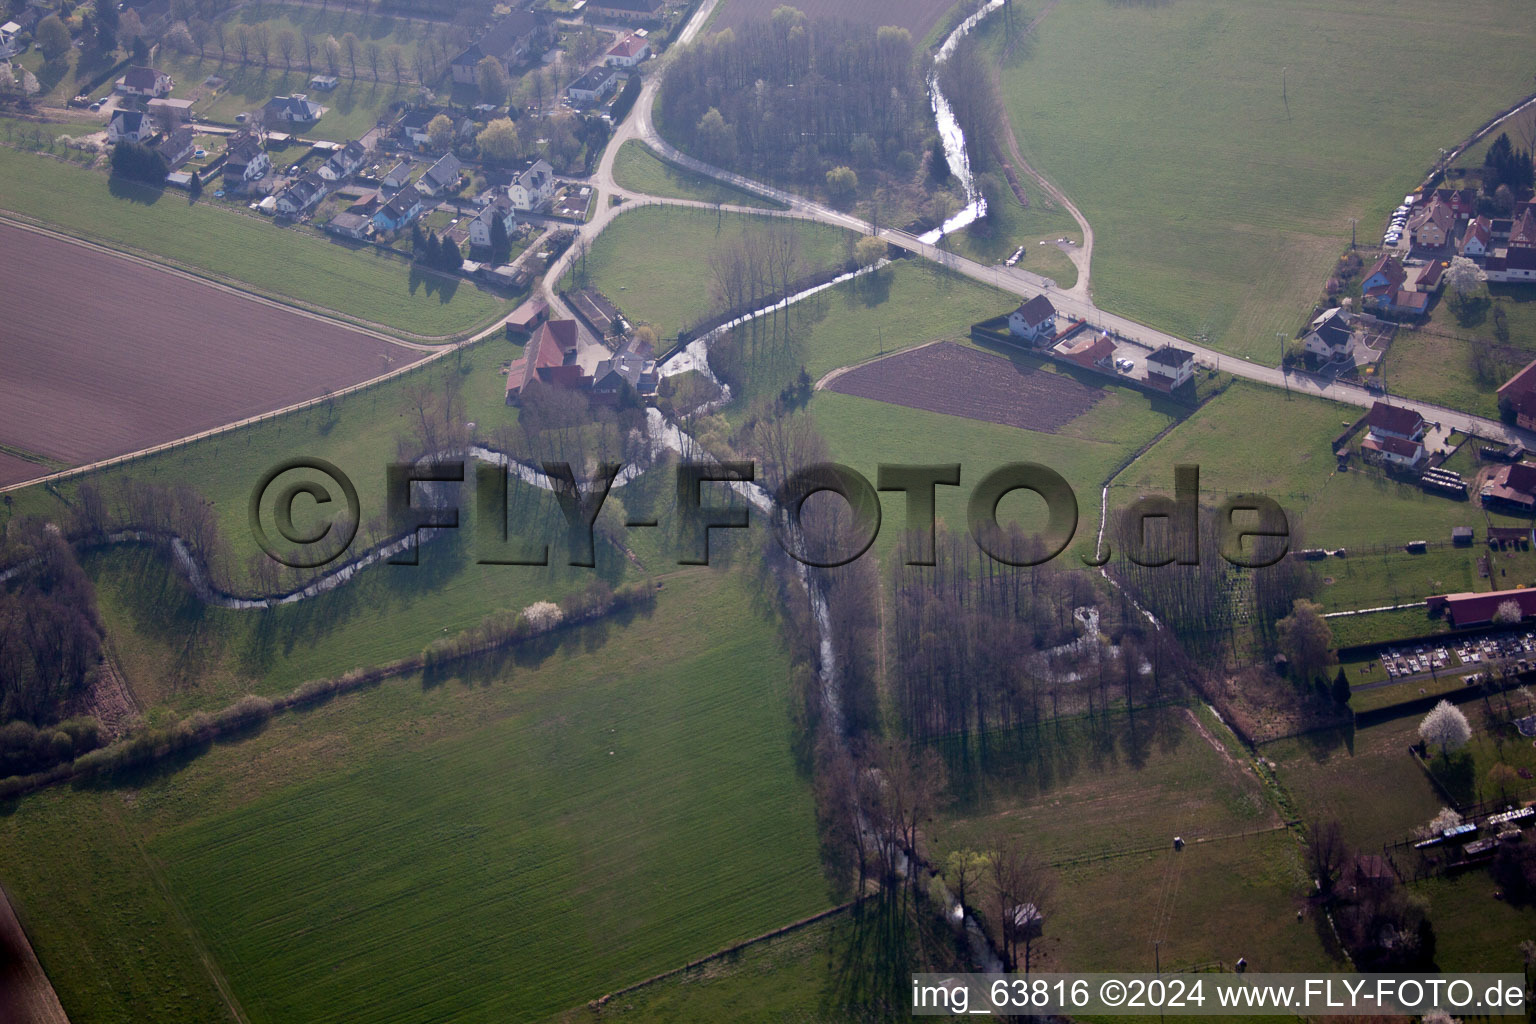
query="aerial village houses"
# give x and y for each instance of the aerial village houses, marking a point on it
(1515, 260)
(627, 52)
(344, 163)
(141, 81)
(1394, 437)
(1474, 242)
(624, 10)
(441, 177)
(401, 210)
(302, 196)
(1092, 350)
(511, 41)
(593, 86)
(295, 109)
(481, 230)
(245, 161)
(532, 187)
(1034, 320)
(129, 126)
(178, 146)
(1431, 226)
(411, 129)
(1382, 288)
(1331, 337)
(397, 176)
(1169, 367)
(1518, 394)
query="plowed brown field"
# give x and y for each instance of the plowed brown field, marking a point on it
(26, 997)
(101, 355)
(961, 381)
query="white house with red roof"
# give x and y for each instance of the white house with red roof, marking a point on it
(1034, 320)
(1394, 436)
(1478, 234)
(627, 52)
(141, 81)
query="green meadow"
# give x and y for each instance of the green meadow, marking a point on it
(497, 846)
(1220, 151)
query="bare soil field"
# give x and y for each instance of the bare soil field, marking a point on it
(958, 381)
(26, 996)
(916, 16)
(104, 355)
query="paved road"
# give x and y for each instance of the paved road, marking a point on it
(1013, 280)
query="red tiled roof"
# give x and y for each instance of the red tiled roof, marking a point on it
(544, 351)
(1521, 383)
(1479, 229)
(1391, 269)
(1394, 418)
(1471, 609)
(628, 46)
(1037, 310)
(1393, 446)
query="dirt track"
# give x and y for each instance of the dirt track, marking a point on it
(104, 355)
(26, 997)
(960, 381)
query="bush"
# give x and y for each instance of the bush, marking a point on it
(136, 161)
(248, 711)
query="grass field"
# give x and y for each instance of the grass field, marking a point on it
(1010, 226)
(1220, 152)
(295, 268)
(1103, 805)
(655, 262)
(1437, 363)
(636, 167)
(908, 303)
(864, 434)
(1232, 442)
(498, 847)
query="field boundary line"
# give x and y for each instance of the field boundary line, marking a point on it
(44, 1007)
(22, 223)
(430, 355)
(220, 982)
(730, 950)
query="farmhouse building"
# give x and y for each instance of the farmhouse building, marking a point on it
(1383, 279)
(1519, 393)
(129, 126)
(532, 187)
(627, 52)
(141, 81)
(1394, 421)
(629, 370)
(1478, 609)
(1034, 320)
(593, 86)
(1169, 367)
(400, 212)
(245, 161)
(550, 358)
(295, 109)
(1511, 487)
(624, 10)
(1460, 201)
(511, 41)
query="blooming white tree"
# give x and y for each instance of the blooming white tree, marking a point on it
(1462, 277)
(543, 615)
(1445, 726)
(1508, 612)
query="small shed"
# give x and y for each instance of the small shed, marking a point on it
(1461, 536)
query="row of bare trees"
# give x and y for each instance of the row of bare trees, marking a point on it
(50, 633)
